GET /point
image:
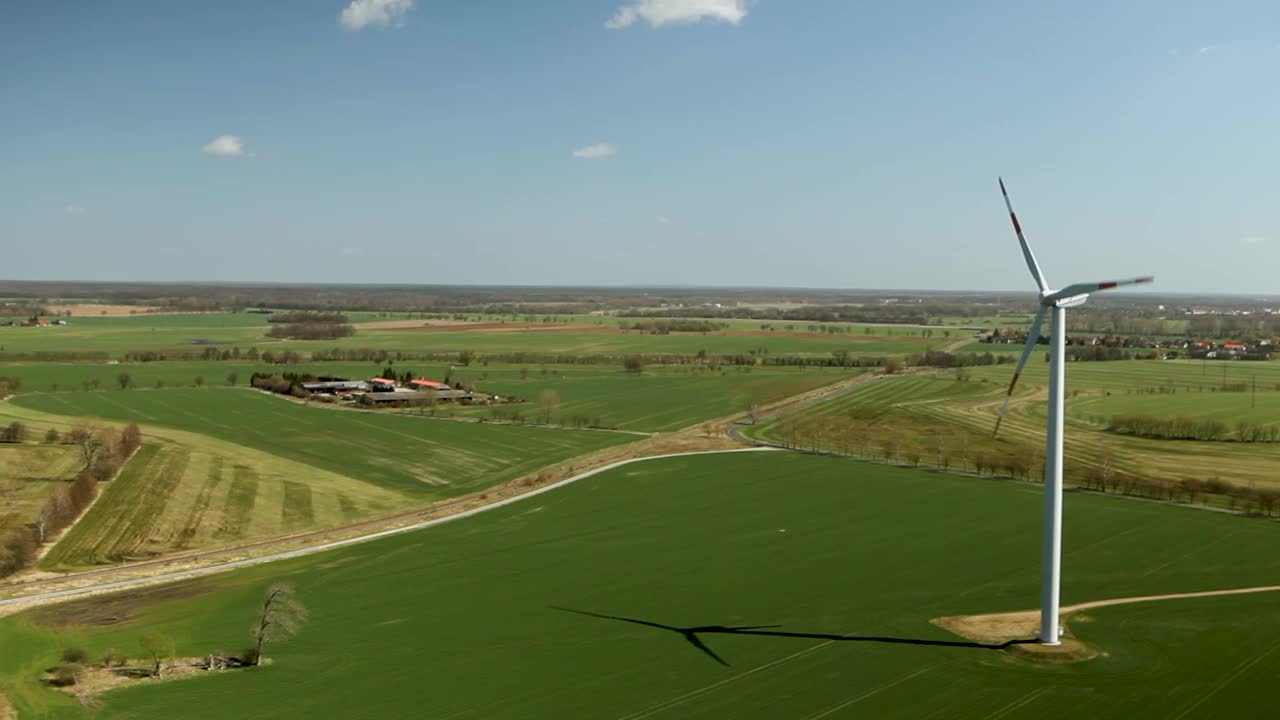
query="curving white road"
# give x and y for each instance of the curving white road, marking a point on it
(39, 598)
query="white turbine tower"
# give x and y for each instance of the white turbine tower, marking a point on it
(1057, 301)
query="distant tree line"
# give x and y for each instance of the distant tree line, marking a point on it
(55, 356)
(1234, 326)
(23, 311)
(104, 451)
(440, 299)
(1187, 428)
(309, 318)
(943, 359)
(666, 327)
(917, 313)
(312, 331)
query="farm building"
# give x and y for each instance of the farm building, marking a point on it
(330, 387)
(413, 396)
(379, 384)
(425, 384)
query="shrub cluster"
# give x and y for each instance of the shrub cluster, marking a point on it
(282, 383)
(309, 318)
(312, 331)
(943, 359)
(1186, 428)
(666, 327)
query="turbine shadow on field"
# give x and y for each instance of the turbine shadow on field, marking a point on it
(691, 634)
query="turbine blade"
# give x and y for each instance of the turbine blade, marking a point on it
(1033, 335)
(1082, 288)
(1027, 255)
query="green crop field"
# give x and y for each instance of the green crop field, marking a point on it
(659, 399)
(1228, 407)
(29, 474)
(113, 336)
(418, 457)
(1145, 375)
(555, 607)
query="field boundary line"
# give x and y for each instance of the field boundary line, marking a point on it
(869, 693)
(161, 578)
(681, 699)
(1016, 704)
(1239, 670)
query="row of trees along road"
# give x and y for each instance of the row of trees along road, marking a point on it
(102, 450)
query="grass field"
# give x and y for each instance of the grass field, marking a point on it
(419, 458)
(194, 332)
(29, 474)
(1228, 407)
(920, 416)
(659, 399)
(489, 616)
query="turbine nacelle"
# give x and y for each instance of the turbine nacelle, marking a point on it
(1067, 302)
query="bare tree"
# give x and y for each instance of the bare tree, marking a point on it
(279, 618)
(550, 402)
(159, 648)
(88, 436)
(125, 380)
(232, 377)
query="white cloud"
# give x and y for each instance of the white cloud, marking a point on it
(363, 13)
(678, 12)
(664, 220)
(1253, 240)
(224, 145)
(73, 210)
(1205, 50)
(595, 152)
(353, 252)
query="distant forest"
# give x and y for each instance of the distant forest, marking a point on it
(325, 303)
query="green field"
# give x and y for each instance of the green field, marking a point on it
(499, 615)
(1145, 375)
(194, 332)
(29, 474)
(659, 399)
(419, 458)
(1228, 407)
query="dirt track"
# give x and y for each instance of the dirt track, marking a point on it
(1000, 627)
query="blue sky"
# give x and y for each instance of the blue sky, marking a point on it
(821, 143)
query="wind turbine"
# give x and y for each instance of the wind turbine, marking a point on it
(1057, 302)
